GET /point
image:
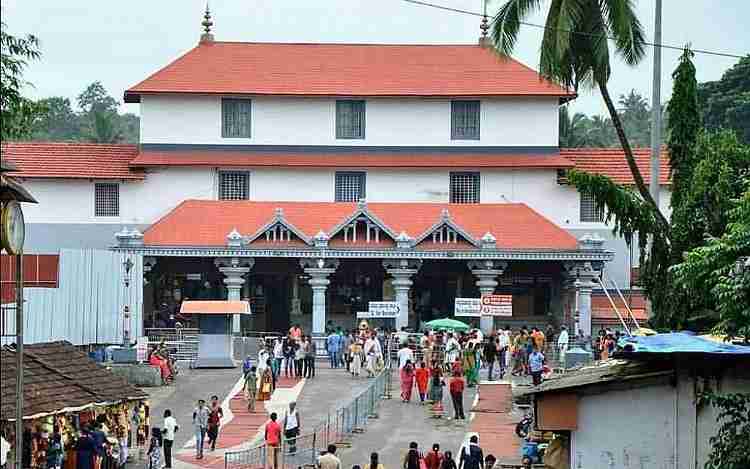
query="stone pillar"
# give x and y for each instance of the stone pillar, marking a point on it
(319, 270)
(402, 271)
(234, 270)
(487, 272)
(585, 275)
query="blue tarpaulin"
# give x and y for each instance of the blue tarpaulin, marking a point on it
(679, 342)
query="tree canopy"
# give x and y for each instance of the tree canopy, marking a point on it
(16, 111)
(726, 102)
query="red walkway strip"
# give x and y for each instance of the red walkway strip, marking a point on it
(494, 423)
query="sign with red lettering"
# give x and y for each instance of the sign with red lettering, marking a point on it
(497, 305)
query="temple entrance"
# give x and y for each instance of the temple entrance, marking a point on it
(355, 283)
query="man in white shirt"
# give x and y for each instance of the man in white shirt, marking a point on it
(170, 428)
(562, 344)
(372, 353)
(503, 341)
(405, 354)
(292, 427)
(330, 460)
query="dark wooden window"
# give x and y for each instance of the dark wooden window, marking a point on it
(350, 186)
(234, 185)
(465, 117)
(350, 119)
(107, 199)
(464, 188)
(591, 212)
(235, 118)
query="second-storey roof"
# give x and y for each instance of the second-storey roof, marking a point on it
(369, 70)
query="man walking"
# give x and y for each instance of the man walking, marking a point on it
(536, 365)
(312, 352)
(333, 346)
(330, 460)
(170, 428)
(214, 421)
(489, 353)
(200, 424)
(471, 456)
(251, 388)
(273, 441)
(456, 388)
(292, 427)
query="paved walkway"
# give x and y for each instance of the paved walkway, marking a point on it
(495, 421)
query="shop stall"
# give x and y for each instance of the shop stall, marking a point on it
(77, 414)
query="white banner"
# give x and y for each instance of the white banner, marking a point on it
(467, 307)
(497, 305)
(380, 309)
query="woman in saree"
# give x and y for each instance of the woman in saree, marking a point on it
(156, 361)
(470, 364)
(407, 381)
(266, 385)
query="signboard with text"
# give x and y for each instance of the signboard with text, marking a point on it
(380, 309)
(467, 307)
(497, 305)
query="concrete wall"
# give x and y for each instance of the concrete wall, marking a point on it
(311, 121)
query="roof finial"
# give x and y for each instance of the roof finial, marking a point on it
(484, 41)
(207, 23)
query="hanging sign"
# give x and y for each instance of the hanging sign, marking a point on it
(497, 305)
(471, 307)
(380, 309)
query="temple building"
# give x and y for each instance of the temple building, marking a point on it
(312, 179)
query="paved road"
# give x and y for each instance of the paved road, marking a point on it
(181, 396)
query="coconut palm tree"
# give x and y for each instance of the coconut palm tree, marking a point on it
(575, 51)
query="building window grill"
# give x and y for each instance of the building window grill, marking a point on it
(350, 119)
(465, 117)
(350, 186)
(591, 212)
(464, 188)
(235, 118)
(107, 199)
(234, 185)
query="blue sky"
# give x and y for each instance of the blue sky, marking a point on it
(120, 43)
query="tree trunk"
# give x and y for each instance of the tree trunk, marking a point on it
(637, 177)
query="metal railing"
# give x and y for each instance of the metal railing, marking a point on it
(182, 342)
(339, 427)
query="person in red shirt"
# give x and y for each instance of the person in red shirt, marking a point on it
(422, 375)
(273, 441)
(214, 421)
(434, 459)
(457, 395)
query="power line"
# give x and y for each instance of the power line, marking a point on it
(541, 26)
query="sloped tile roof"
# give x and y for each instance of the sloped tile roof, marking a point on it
(71, 160)
(611, 162)
(58, 376)
(603, 313)
(207, 222)
(345, 70)
(356, 158)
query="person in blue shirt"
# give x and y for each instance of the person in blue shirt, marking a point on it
(333, 345)
(247, 364)
(536, 365)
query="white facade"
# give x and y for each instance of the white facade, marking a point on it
(311, 121)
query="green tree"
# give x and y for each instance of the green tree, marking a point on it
(104, 128)
(59, 123)
(96, 99)
(575, 52)
(730, 447)
(635, 114)
(726, 102)
(17, 113)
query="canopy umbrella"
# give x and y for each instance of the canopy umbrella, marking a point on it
(447, 323)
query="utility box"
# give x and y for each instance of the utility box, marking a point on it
(577, 357)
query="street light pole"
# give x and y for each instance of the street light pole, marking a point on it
(19, 360)
(656, 108)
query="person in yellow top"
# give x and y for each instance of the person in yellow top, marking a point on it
(374, 462)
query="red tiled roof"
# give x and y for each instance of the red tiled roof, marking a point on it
(207, 222)
(611, 162)
(345, 70)
(360, 159)
(71, 160)
(602, 312)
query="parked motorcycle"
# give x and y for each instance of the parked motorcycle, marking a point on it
(523, 428)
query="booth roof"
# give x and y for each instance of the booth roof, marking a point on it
(59, 378)
(214, 307)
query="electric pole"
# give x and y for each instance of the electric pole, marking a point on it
(656, 108)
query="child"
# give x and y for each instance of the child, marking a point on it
(251, 388)
(422, 376)
(54, 452)
(154, 450)
(357, 358)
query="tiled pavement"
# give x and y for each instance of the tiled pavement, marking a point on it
(238, 432)
(495, 423)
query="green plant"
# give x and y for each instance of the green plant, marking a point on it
(730, 447)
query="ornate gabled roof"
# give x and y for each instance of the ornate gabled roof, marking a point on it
(205, 223)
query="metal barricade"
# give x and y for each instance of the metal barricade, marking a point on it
(182, 342)
(339, 427)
